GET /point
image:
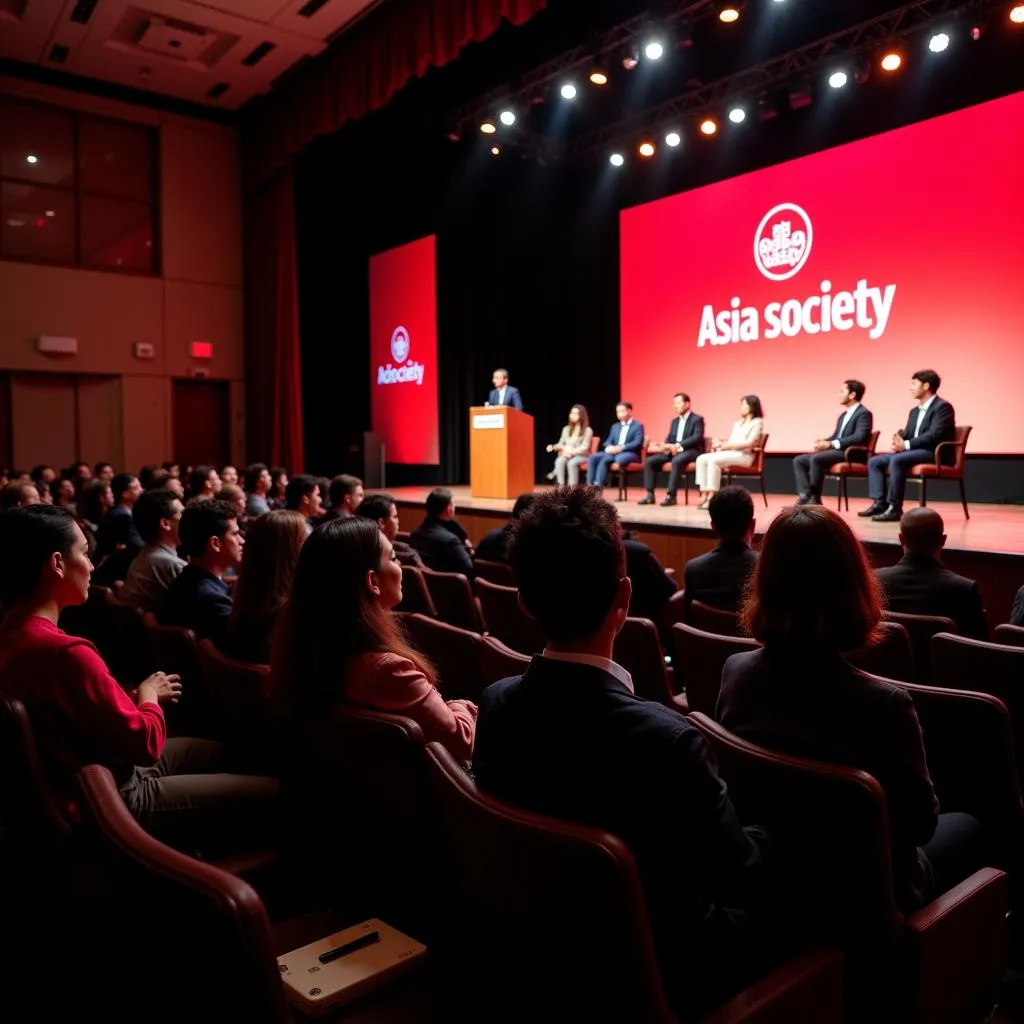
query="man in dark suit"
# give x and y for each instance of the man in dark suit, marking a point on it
(440, 540)
(931, 423)
(117, 530)
(920, 585)
(623, 444)
(683, 443)
(853, 427)
(503, 393)
(652, 586)
(493, 546)
(718, 577)
(569, 739)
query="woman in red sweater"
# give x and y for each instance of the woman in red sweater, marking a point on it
(338, 642)
(177, 789)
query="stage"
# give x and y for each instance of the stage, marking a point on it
(989, 547)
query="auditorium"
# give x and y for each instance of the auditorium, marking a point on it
(365, 362)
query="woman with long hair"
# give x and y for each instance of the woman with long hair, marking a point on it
(272, 546)
(812, 599)
(572, 447)
(337, 641)
(278, 485)
(735, 450)
(95, 500)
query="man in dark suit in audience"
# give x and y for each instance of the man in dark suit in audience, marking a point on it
(623, 444)
(569, 739)
(718, 578)
(683, 443)
(493, 545)
(503, 393)
(931, 423)
(652, 586)
(853, 427)
(1017, 612)
(441, 541)
(117, 530)
(920, 585)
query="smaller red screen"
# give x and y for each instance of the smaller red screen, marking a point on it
(403, 352)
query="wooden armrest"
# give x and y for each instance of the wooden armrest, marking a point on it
(946, 444)
(856, 448)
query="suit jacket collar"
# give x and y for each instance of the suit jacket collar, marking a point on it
(549, 672)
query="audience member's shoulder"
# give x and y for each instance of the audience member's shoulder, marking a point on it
(385, 665)
(743, 664)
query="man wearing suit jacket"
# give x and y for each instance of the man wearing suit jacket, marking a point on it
(570, 739)
(623, 444)
(920, 585)
(117, 530)
(440, 540)
(683, 443)
(718, 577)
(503, 393)
(854, 426)
(931, 423)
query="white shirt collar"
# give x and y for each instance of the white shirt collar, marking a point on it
(604, 664)
(853, 408)
(926, 405)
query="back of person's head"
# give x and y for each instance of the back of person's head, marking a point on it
(121, 484)
(102, 467)
(234, 496)
(91, 506)
(158, 478)
(147, 476)
(375, 507)
(16, 493)
(732, 512)
(152, 506)
(272, 546)
(253, 473)
(929, 377)
(42, 472)
(437, 502)
(299, 487)
(812, 590)
(198, 478)
(567, 555)
(332, 615)
(922, 532)
(342, 487)
(29, 538)
(201, 522)
(523, 502)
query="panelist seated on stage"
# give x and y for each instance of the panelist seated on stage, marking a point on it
(572, 447)
(718, 577)
(441, 541)
(735, 450)
(623, 444)
(503, 393)
(853, 427)
(931, 423)
(683, 444)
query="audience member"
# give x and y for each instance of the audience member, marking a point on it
(570, 739)
(199, 599)
(229, 476)
(235, 497)
(177, 789)
(383, 510)
(337, 641)
(80, 474)
(652, 586)
(345, 493)
(117, 530)
(813, 599)
(148, 476)
(94, 501)
(440, 540)
(302, 495)
(173, 469)
(272, 546)
(494, 543)
(66, 495)
(45, 494)
(104, 471)
(257, 486)
(278, 485)
(157, 515)
(203, 483)
(718, 577)
(17, 494)
(44, 474)
(172, 484)
(919, 584)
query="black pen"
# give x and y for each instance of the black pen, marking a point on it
(350, 947)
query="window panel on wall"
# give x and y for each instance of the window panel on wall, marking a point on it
(115, 160)
(116, 234)
(36, 144)
(36, 223)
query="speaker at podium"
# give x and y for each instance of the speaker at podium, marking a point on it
(500, 452)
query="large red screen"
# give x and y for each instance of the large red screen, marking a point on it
(403, 351)
(870, 261)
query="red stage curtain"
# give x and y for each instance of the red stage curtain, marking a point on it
(274, 371)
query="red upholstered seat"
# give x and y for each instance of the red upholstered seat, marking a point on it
(497, 572)
(416, 597)
(453, 598)
(842, 471)
(503, 618)
(756, 468)
(690, 467)
(1010, 636)
(714, 620)
(624, 470)
(638, 650)
(921, 629)
(941, 470)
(698, 658)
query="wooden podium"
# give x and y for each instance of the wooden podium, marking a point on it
(500, 452)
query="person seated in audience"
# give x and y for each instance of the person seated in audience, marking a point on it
(813, 599)
(199, 599)
(302, 495)
(278, 486)
(44, 474)
(718, 577)
(494, 543)
(103, 471)
(652, 586)
(157, 515)
(17, 494)
(272, 546)
(80, 475)
(338, 643)
(148, 476)
(440, 540)
(117, 530)
(95, 500)
(1017, 612)
(257, 486)
(919, 584)
(173, 469)
(346, 492)
(382, 509)
(45, 494)
(235, 497)
(65, 496)
(203, 483)
(229, 476)
(178, 789)
(572, 447)
(570, 739)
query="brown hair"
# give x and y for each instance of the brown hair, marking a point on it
(812, 588)
(584, 423)
(271, 552)
(332, 616)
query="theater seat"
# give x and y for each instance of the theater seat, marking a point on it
(624, 469)
(242, 694)
(455, 653)
(755, 469)
(638, 651)
(496, 572)
(941, 469)
(891, 657)
(503, 618)
(595, 443)
(921, 629)
(714, 620)
(1009, 636)
(698, 658)
(453, 598)
(856, 464)
(499, 662)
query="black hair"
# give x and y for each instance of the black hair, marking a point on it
(376, 506)
(929, 377)
(152, 506)
(202, 521)
(28, 538)
(437, 501)
(298, 488)
(732, 511)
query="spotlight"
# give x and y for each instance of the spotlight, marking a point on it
(1017, 14)
(708, 126)
(729, 13)
(938, 42)
(616, 159)
(838, 79)
(495, 150)
(673, 139)
(654, 50)
(31, 159)
(507, 118)
(646, 150)
(737, 115)
(598, 77)
(892, 61)
(488, 127)
(568, 91)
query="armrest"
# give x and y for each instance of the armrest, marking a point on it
(809, 987)
(856, 448)
(946, 444)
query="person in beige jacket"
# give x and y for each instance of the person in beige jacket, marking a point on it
(736, 450)
(572, 448)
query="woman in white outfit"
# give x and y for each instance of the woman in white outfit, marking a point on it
(572, 448)
(736, 450)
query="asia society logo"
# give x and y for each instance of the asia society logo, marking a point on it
(783, 242)
(404, 370)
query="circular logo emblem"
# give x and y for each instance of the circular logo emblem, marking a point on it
(400, 344)
(783, 241)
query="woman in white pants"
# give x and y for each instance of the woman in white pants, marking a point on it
(736, 450)
(572, 448)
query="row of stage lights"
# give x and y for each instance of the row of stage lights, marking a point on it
(728, 13)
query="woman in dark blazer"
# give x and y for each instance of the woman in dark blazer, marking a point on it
(813, 598)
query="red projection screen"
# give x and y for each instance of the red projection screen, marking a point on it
(403, 351)
(870, 261)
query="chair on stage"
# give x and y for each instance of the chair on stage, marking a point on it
(1009, 636)
(495, 572)
(842, 471)
(503, 618)
(638, 651)
(595, 443)
(624, 469)
(698, 658)
(453, 598)
(756, 468)
(690, 467)
(714, 620)
(416, 597)
(939, 470)
(921, 629)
